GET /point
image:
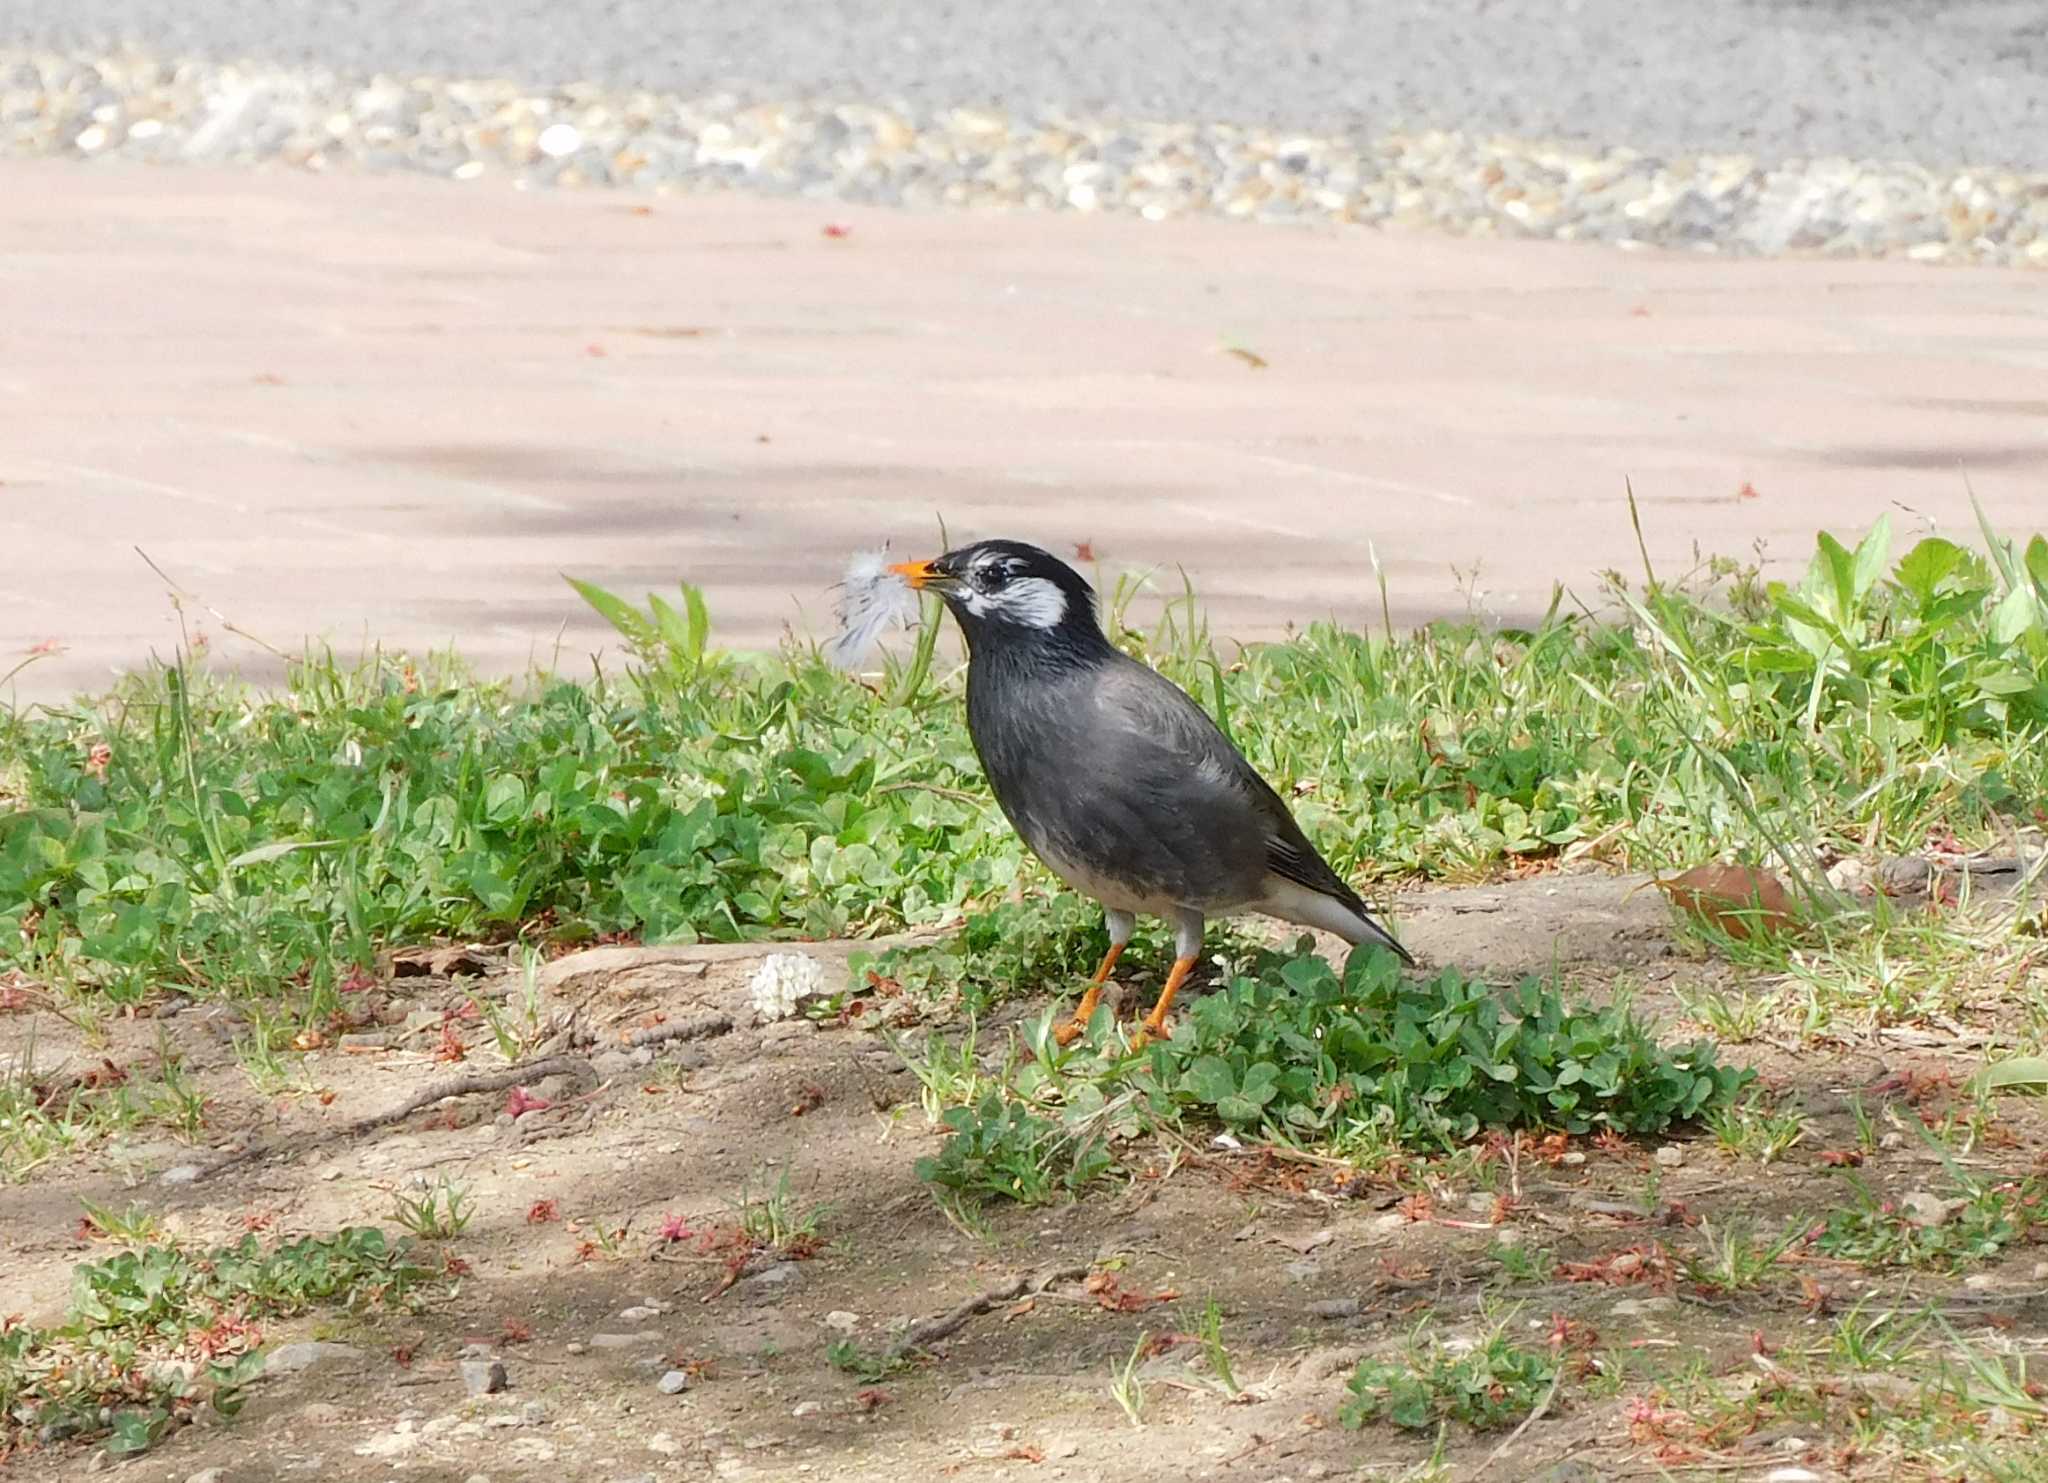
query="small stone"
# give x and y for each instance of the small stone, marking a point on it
(1670, 1156)
(1062, 1447)
(805, 1408)
(1644, 1307)
(1980, 1282)
(483, 1376)
(1573, 1159)
(179, 1174)
(365, 1040)
(1336, 1307)
(625, 1341)
(1793, 1475)
(842, 1321)
(533, 1413)
(208, 1475)
(290, 1359)
(663, 1443)
(639, 1313)
(674, 1382)
(559, 141)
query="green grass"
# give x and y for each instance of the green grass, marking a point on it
(156, 1331)
(1492, 1383)
(264, 845)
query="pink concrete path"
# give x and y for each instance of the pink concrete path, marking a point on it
(382, 408)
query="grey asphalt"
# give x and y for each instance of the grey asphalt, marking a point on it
(1940, 82)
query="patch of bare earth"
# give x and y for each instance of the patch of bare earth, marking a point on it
(602, 1253)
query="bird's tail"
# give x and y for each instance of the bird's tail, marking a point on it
(1334, 908)
(1368, 930)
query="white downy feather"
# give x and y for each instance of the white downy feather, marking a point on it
(872, 598)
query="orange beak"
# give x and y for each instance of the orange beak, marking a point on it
(919, 574)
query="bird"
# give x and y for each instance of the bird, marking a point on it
(1115, 777)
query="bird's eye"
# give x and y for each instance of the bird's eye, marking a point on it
(988, 578)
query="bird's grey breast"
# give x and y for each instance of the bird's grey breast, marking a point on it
(1120, 783)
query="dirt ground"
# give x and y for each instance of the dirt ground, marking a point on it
(1308, 1279)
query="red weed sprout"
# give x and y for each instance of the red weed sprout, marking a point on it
(675, 1228)
(540, 1212)
(519, 1101)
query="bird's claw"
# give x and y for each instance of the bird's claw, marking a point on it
(1068, 1033)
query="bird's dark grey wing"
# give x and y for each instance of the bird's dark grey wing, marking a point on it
(1161, 732)
(1178, 739)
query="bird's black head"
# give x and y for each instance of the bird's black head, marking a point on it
(1005, 592)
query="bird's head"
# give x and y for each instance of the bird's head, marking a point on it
(1007, 591)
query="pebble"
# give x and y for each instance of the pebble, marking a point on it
(625, 1341)
(805, 1408)
(674, 1382)
(484, 1376)
(179, 1174)
(640, 1313)
(1670, 1156)
(289, 1359)
(208, 1475)
(842, 1321)
(1336, 1307)
(134, 106)
(664, 1444)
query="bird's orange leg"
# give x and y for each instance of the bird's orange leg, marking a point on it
(1155, 1022)
(1073, 1030)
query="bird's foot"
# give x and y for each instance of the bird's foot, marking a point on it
(1148, 1030)
(1076, 1027)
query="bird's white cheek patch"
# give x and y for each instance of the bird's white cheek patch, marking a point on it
(1035, 603)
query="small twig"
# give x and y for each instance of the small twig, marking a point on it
(459, 1086)
(953, 793)
(1542, 1410)
(701, 1027)
(931, 1330)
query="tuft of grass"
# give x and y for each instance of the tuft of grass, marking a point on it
(1734, 1261)
(48, 1113)
(778, 1220)
(1001, 1149)
(1126, 1387)
(1756, 1128)
(1487, 1384)
(157, 1331)
(1974, 1222)
(440, 1211)
(1211, 1335)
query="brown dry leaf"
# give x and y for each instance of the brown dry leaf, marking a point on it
(1738, 899)
(1018, 1310)
(1250, 357)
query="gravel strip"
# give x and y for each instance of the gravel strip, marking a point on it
(140, 108)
